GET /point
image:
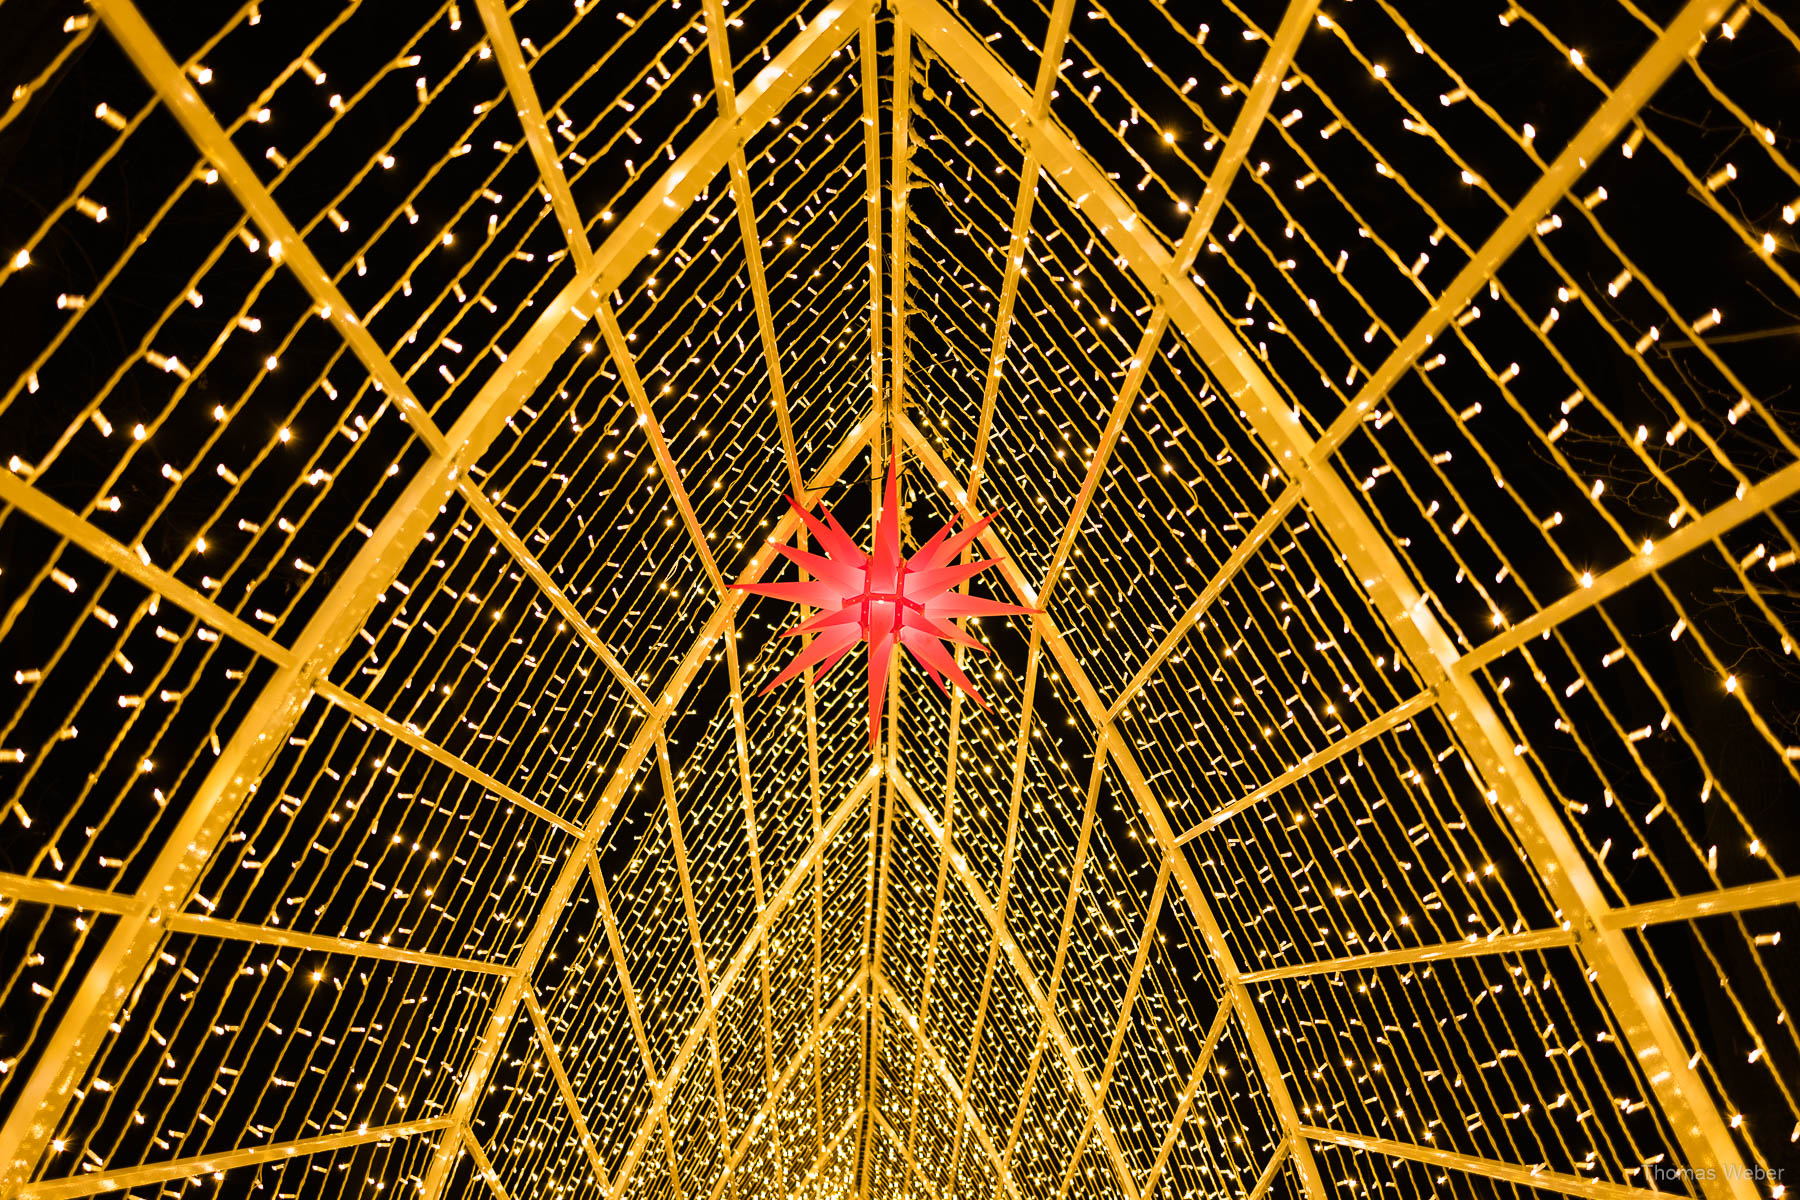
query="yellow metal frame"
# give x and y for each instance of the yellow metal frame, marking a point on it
(1593, 928)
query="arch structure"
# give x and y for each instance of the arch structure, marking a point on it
(1390, 411)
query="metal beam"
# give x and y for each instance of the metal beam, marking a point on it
(889, 406)
(967, 1116)
(1056, 38)
(894, 1138)
(932, 938)
(1147, 939)
(931, 958)
(626, 361)
(1758, 499)
(1654, 1040)
(131, 904)
(1270, 1173)
(1033, 656)
(547, 1044)
(70, 525)
(729, 976)
(1705, 904)
(882, 847)
(719, 50)
(932, 942)
(825, 1151)
(66, 523)
(858, 982)
(1681, 37)
(702, 971)
(1065, 930)
(1511, 1173)
(1085, 1093)
(1280, 1098)
(96, 1182)
(1394, 717)
(511, 58)
(1196, 1076)
(1257, 99)
(1585, 147)
(287, 246)
(900, 187)
(869, 73)
(482, 1165)
(634, 1013)
(881, 850)
(758, 891)
(405, 734)
(1221, 579)
(502, 530)
(86, 1018)
(67, 895)
(262, 935)
(1499, 943)
(815, 804)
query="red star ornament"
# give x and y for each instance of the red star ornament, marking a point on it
(883, 599)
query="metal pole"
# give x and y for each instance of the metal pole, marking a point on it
(634, 1013)
(1261, 94)
(1056, 39)
(1392, 719)
(482, 1165)
(1196, 1076)
(510, 56)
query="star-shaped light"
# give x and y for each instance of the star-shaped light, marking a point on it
(883, 599)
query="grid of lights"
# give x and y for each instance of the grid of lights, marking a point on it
(383, 805)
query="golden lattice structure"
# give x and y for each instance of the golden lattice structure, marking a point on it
(1391, 410)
